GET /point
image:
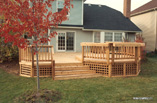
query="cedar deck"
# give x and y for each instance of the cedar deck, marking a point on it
(96, 59)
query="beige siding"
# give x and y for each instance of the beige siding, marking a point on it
(147, 23)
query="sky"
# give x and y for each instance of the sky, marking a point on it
(118, 4)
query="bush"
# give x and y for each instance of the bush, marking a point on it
(140, 39)
(7, 51)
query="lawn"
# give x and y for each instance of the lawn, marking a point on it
(96, 90)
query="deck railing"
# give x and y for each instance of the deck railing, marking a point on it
(45, 58)
(113, 59)
(45, 53)
(111, 51)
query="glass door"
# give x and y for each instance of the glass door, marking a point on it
(70, 41)
(61, 41)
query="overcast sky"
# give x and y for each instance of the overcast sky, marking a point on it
(118, 4)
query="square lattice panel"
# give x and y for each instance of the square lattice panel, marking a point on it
(44, 71)
(98, 67)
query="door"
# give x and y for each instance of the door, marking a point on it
(70, 41)
(61, 41)
(65, 41)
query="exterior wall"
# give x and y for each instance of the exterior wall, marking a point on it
(76, 13)
(147, 23)
(80, 36)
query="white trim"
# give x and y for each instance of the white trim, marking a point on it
(102, 38)
(57, 42)
(109, 30)
(142, 12)
(82, 11)
(70, 27)
(98, 30)
(123, 36)
(93, 36)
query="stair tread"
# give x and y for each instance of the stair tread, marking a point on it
(72, 70)
(91, 74)
(77, 77)
(70, 66)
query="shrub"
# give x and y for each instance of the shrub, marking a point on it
(140, 39)
(7, 51)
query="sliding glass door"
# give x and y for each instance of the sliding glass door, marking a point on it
(65, 41)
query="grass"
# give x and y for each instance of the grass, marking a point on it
(96, 90)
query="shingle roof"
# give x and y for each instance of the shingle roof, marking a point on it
(150, 5)
(106, 18)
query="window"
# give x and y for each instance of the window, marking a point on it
(108, 36)
(60, 5)
(118, 37)
(96, 37)
(26, 36)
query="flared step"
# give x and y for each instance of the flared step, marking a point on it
(66, 77)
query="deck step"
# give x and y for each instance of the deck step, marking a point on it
(58, 68)
(68, 64)
(64, 71)
(74, 72)
(66, 77)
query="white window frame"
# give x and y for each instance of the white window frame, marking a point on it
(62, 8)
(113, 36)
(121, 38)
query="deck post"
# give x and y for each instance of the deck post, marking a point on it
(52, 64)
(124, 70)
(108, 54)
(110, 70)
(32, 68)
(19, 54)
(83, 54)
(112, 48)
(136, 55)
(53, 70)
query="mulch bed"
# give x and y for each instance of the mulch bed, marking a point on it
(11, 67)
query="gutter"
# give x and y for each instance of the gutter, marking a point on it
(145, 11)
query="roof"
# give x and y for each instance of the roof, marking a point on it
(150, 5)
(106, 18)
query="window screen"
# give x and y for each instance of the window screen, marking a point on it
(118, 37)
(108, 36)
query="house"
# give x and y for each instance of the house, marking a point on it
(92, 23)
(87, 23)
(145, 17)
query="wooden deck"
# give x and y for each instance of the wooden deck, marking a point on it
(95, 60)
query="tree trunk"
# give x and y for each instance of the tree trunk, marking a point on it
(38, 81)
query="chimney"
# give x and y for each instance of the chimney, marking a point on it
(127, 8)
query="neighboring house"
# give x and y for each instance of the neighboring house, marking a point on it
(145, 17)
(91, 23)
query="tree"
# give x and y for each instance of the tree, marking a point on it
(33, 17)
